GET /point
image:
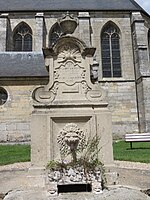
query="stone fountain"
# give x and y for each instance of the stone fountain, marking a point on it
(67, 111)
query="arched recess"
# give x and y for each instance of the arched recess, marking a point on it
(110, 50)
(54, 34)
(22, 37)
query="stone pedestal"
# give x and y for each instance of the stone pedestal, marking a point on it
(47, 122)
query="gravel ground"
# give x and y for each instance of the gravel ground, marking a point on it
(15, 166)
(132, 165)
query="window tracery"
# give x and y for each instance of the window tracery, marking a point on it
(110, 45)
(23, 38)
(55, 34)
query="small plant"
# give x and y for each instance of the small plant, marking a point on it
(53, 165)
(89, 154)
(87, 160)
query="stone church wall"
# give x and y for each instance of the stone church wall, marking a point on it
(143, 88)
(15, 114)
(122, 103)
(142, 68)
(121, 92)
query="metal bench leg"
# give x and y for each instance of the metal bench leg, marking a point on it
(131, 145)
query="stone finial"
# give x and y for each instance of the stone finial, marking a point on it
(68, 23)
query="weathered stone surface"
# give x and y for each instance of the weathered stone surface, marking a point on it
(113, 194)
(2, 196)
(15, 114)
(39, 31)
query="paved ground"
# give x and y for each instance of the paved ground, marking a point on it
(113, 194)
(131, 175)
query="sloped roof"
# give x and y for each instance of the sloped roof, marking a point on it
(15, 64)
(68, 5)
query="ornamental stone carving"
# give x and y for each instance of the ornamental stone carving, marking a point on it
(68, 23)
(69, 51)
(71, 135)
(68, 63)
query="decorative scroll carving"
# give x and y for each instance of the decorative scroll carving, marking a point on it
(56, 75)
(85, 87)
(71, 133)
(55, 88)
(95, 95)
(43, 96)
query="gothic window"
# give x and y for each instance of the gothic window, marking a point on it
(23, 38)
(3, 96)
(55, 34)
(110, 45)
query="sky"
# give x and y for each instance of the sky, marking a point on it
(144, 4)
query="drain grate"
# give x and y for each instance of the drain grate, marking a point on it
(74, 188)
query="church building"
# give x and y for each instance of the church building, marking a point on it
(118, 29)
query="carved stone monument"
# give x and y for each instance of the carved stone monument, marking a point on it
(70, 108)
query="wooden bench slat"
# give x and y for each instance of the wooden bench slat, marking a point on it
(138, 137)
(136, 140)
(139, 134)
